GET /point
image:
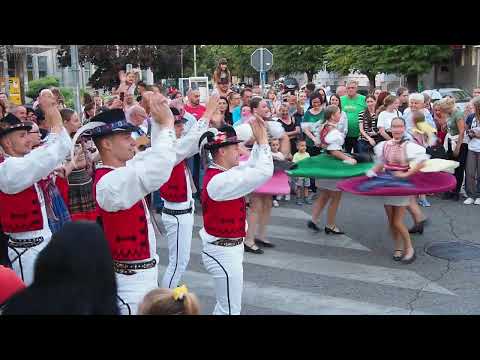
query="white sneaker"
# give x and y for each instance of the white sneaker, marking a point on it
(469, 201)
(477, 201)
(275, 203)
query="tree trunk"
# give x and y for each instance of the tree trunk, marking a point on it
(412, 82)
(4, 74)
(310, 76)
(371, 79)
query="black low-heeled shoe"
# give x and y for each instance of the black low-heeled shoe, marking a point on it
(397, 258)
(313, 226)
(250, 249)
(332, 231)
(417, 228)
(264, 243)
(409, 260)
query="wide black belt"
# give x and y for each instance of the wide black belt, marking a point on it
(25, 243)
(128, 268)
(227, 242)
(177, 212)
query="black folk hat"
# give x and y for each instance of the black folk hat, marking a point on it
(106, 123)
(11, 123)
(224, 136)
(109, 122)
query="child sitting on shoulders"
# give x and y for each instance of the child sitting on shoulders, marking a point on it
(176, 301)
(302, 184)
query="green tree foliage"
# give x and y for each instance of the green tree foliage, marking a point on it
(238, 57)
(412, 60)
(35, 86)
(164, 60)
(299, 58)
(363, 58)
(409, 60)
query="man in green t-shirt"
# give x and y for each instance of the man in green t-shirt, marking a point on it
(353, 104)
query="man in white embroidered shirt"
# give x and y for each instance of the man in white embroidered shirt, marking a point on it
(23, 212)
(224, 212)
(120, 187)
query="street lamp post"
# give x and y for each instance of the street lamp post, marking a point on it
(478, 64)
(195, 60)
(181, 62)
(76, 70)
(4, 59)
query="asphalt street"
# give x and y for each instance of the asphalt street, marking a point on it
(308, 273)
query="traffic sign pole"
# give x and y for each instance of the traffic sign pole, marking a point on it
(262, 61)
(261, 69)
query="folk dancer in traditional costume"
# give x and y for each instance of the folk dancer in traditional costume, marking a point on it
(179, 206)
(120, 186)
(23, 213)
(224, 211)
(332, 140)
(394, 156)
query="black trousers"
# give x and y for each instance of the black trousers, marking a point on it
(460, 171)
(351, 143)
(4, 259)
(196, 172)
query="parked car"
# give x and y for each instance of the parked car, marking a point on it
(434, 95)
(461, 96)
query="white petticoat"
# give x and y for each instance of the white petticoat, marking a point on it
(327, 184)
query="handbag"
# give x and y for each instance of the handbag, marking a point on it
(437, 152)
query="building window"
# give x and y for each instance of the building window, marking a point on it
(30, 67)
(42, 66)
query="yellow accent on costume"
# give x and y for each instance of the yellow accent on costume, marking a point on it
(428, 132)
(424, 128)
(179, 292)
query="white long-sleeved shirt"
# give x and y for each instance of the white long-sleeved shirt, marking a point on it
(335, 139)
(146, 172)
(186, 147)
(123, 187)
(19, 173)
(241, 180)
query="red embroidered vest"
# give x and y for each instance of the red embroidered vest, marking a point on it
(20, 212)
(395, 156)
(126, 230)
(324, 132)
(223, 219)
(175, 189)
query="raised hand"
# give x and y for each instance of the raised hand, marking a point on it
(160, 111)
(212, 106)
(259, 130)
(122, 76)
(48, 104)
(79, 159)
